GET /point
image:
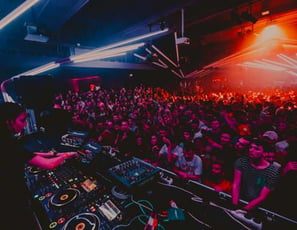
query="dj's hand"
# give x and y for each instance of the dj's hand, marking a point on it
(67, 155)
(71, 154)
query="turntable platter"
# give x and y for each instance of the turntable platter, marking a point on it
(64, 197)
(83, 221)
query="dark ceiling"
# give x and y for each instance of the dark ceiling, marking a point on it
(73, 25)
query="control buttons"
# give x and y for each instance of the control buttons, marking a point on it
(53, 225)
(92, 209)
(48, 194)
(61, 220)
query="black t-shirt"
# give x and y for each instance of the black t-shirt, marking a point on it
(14, 196)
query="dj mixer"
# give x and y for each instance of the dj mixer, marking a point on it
(134, 172)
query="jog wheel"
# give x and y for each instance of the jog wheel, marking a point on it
(83, 221)
(34, 170)
(64, 197)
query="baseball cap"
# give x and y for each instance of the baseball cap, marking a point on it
(271, 135)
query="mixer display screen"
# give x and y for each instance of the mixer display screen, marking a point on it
(89, 185)
(134, 172)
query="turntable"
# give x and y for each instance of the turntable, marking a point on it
(83, 221)
(34, 169)
(64, 197)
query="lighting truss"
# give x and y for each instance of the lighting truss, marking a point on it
(159, 62)
(17, 12)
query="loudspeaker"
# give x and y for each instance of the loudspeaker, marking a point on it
(35, 92)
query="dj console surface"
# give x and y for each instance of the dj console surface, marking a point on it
(99, 191)
(67, 198)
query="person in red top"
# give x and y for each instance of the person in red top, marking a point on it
(215, 178)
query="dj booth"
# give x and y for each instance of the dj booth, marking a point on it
(102, 190)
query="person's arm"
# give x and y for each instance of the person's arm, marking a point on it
(43, 161)
(170, 156)
(291, 165)
(213, 143)
(193, 177)
(180, 173)
(186, 175)
(258, 200)
(236, 186)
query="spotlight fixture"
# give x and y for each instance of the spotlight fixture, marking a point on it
(265, 12)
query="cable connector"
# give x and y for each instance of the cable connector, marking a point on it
(152, 222)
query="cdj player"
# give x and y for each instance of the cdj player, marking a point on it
(67, 198)
(74, 138)
(88, 152)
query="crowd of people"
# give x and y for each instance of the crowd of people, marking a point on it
(239, 143)
(243, 144)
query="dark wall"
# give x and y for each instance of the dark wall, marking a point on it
(35, 92)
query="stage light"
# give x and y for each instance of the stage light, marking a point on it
(38, 70)
(290, 60)
(261, 66)
(276, 63)
(100, 57)
(265, 12)
(103, 54)
(269, 33)
(119, 44)
(292, 73)
(17, 12)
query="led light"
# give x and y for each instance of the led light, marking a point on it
(260, 66)
(271, 64)
(177, 74)
(167, 58)
(106, 53)
(265, 12)
(38, 70)
(120, 43)
(277, 63)
(158, 64)
(100, 57)
(100, 54)
(292, 73)
(6, 96)
(140, 57)
(289, 59)
(17, 12)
